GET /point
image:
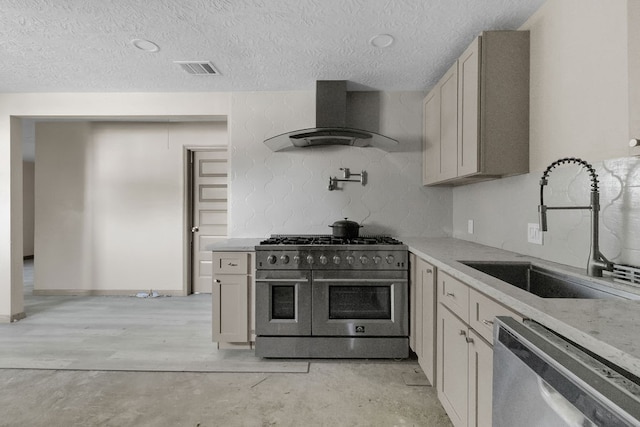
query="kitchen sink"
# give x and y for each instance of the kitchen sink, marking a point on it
(547, 283)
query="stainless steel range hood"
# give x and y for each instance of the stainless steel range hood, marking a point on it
(331, 124)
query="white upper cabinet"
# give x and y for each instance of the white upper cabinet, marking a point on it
(481, 129)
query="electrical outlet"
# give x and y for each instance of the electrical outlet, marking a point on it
(534, 235)
(470, 226)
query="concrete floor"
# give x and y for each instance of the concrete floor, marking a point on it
(331, 393)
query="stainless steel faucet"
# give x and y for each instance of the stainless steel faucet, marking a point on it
(597, 262)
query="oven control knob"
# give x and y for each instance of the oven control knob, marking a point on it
(390, 259)
(323, 259)
(284, 259)
(296, 259)
(271, 259)
(364, 259)
(350, 259)
(377, 259)
(336, 260)
(309, 259)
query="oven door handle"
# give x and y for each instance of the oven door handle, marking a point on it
(361, 280)
(282, 280)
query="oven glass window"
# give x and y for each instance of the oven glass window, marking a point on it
(283, 302)
(360, 302)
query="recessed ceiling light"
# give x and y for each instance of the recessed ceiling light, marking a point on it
(146, 45)
(381, 40)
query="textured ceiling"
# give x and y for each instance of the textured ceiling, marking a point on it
(84, 45)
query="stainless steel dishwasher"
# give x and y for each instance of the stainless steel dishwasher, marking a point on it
(541, 379)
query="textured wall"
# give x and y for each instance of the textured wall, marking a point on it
(501, 210)
(286, 192)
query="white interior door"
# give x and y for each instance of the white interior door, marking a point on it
(209, 212)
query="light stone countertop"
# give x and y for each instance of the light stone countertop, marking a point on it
(608, 327)
(235, 245)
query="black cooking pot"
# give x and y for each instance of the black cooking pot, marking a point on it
(345, 229)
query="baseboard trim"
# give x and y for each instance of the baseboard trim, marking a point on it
(13, 317)
(101, 292)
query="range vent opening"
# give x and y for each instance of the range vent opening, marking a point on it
(200, 68)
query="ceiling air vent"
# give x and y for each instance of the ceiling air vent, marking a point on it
(200, 68)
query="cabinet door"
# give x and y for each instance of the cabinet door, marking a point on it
(480, 381)
(427, 277)
(449, 124)
(453, 366)
(468, 109)
(230, 308)
(415, 339)
(431, 138)
(633, 17)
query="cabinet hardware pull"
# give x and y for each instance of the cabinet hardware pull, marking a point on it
(469, 340)
(487, 322)
(451, 294)
(429, 271)
(232, 264)
(216, 281)
(463, 332)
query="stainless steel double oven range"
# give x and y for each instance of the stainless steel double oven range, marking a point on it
(326, 297)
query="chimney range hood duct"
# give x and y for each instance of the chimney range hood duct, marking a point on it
(331, 128)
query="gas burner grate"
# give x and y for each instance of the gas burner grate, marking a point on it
(322, 239)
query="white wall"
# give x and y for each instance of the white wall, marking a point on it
(28, 181)
(62, 215)
(110, 211)
(578, 109)
(287, 192)
(579, 85)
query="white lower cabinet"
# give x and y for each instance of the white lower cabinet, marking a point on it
(453, 366)
(464, 353)
(480, 380)
(423, 314)
(232, 295)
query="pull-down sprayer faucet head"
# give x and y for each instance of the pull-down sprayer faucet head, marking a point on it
(542, 213)
(542, 208)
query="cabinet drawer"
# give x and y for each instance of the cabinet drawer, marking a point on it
(231, 263)
(482, 311)
(454, 295)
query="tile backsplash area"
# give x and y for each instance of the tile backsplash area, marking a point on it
(287, 192)
(502, 209)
